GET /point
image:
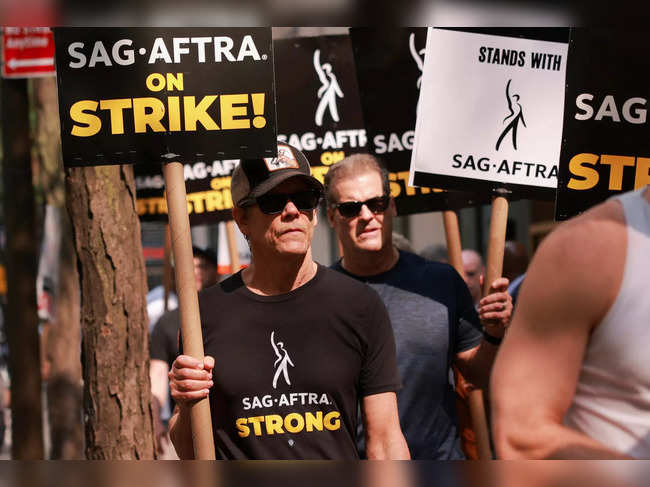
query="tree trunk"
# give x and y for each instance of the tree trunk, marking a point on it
(61, 339)
(63, 352)
(115, 348)
(22, 250)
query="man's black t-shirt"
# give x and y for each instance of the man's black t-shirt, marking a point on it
(290, 369)
(164, 337)
(163, 345)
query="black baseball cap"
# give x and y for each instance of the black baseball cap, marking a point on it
(255, 177)
(207, 254)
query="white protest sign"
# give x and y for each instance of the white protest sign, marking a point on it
(490, 113)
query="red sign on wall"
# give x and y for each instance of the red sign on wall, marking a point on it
(27, 52)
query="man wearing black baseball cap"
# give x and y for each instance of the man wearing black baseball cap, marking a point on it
(292, 348)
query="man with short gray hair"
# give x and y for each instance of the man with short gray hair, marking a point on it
(430, 307)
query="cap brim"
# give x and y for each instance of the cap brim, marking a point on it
(271, 183)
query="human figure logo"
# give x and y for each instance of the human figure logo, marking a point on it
(281, 363)
(512, 120)
(328, 91)
(418, 56)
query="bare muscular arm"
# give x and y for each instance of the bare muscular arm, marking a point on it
(570, 285)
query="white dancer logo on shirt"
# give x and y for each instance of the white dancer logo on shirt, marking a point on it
(282, 361)
(328, 92)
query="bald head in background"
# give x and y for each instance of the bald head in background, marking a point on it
(473, 266)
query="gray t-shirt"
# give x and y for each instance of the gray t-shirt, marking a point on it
(433, 319)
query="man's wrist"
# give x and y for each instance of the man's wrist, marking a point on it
(494, 340)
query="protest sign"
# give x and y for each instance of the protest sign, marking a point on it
(318, 99)
(208, 191)
(605, 150)
(325, 128)
(27, 52)
(131, 95)
(389, 66)
(490, 111)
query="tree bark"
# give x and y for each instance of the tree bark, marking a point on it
(115, 349)
(22, 250)
(61, 339)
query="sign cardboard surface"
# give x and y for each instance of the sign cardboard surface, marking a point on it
(606, 150)
(319, 111)
(208, 191)
(490, 112)
(131, 95)
(389, 66)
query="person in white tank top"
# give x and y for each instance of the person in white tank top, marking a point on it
(572, 377)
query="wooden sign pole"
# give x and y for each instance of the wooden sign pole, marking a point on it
(452, 235)
(497, 242)
(494, 269)
(232, 247)
(188, 302)
(167, 267)
(475, 396)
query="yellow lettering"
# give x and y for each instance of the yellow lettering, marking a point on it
(220, 183)
(395, 188)
(255, 421)
(197, 113)
(589, 174)
(617, 165)
(155, 82)
(332, 420)
(161, 206)
(116, 107)
(175, 82)
(141, 118)
(227, 199)
(404, 176)
(229, 111)
(78, 114)
(273, 424)
(152, 206)
(213, 201)
(319, 172)
(141, 206)
(642, 176)
(312, 421)
(298, 427)
(329, 158)
(174, 110)
(197, 200)
(243, 430)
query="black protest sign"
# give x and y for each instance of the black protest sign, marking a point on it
(131, 95)
(207, 185)
(606, 149)
(490, 111)
(318, 99)
(326, 127)
(389, 64)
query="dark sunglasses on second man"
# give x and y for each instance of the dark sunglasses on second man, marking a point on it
(274, 203)
(349, 209)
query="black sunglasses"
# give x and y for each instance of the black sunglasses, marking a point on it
(349, 209)
(271, 204)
